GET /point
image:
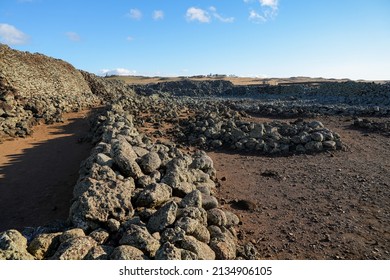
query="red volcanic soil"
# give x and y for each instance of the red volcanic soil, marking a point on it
(37, 173)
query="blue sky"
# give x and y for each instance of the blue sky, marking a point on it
(265, 38)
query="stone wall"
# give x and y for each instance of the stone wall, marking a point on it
(34, 87)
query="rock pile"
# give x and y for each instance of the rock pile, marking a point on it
(136, 200)
(292, 100)
(370, 125)
(35, 87)
(211, 131)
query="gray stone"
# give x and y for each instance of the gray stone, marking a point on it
(75, 248)
(216, 217)
(102, 201)
(193, 199)
(125, 158)
(168, 251)
(100, 236)
(71, 233)
(209, 202)
(231, 218)
(150, 162)
(13, 246)
(154, 195)
(195, 213)
(317, 136)
(182, 189)
(202, 250)
(329, 145)
(314, 146)
(44, 245)
(113, 225)
(164, 217)
(99, 252)
(172, 235)
(104, 160)
(126, 252)
(140, 238)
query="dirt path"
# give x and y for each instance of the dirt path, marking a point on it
(324, 206)
(37, 174)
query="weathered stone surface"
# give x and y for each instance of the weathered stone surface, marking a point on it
(71, 233)
(99, 252)
(168, 251)
(231, 218)
(164, 217)
(193, 199)
(154, 195)
(126, 252)
(125, 158)
(13, 246)
(223, 243)
(202, 250)
(216, 217)
(100, 236)
(150, 162)
(44, 245)
(209, 202)
(140, 238)
(75, 248)
(104, 160)
(100, 202)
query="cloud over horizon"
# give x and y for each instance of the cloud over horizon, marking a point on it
(117, 72)
(10, 35)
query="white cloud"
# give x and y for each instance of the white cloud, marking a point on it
(196, 14)
(269, 3)
(10, 35)
(73, 36)
(158, 15)
(129, 38)
(219, 17)
(117, 72)
(268, 10)
(135, 14)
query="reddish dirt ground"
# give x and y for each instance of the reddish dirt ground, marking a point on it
(37, 173)
(325, 206)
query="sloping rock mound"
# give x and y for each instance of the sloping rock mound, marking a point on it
(35, 87)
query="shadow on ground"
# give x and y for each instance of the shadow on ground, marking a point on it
(36, 186)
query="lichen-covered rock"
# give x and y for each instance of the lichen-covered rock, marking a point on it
(100, 235)
(150, 162)
(209, 202)
(125, 158)
(100, 202)
(13, 246)
(164, 217)
(140, 238)
(154, 195)
(126, 252)
(202, 250)
(168, 251)
(216, 217)
(71, 233)
(44, 245)
(75, 248)
(231, 218)
(193, 199)
(223, 243)
(99, 252)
